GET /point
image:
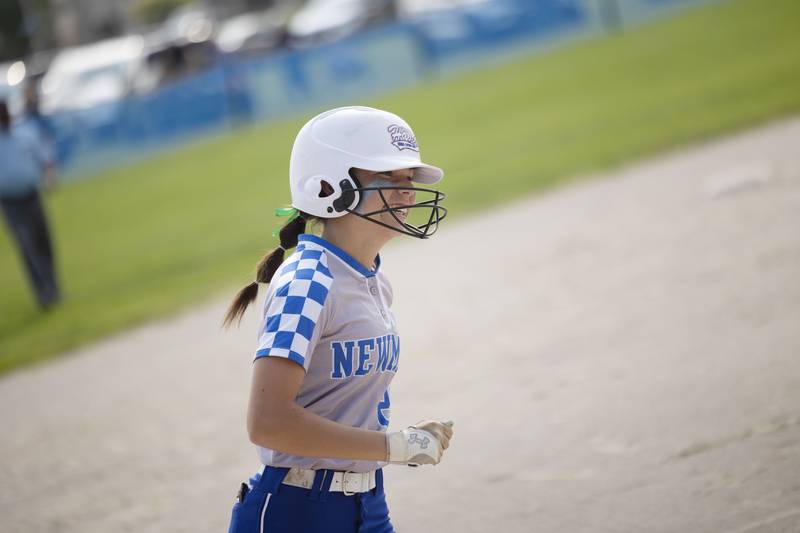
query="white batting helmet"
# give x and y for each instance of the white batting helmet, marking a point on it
(333, 142)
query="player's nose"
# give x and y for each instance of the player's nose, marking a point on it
(407, 196)
(408, 191)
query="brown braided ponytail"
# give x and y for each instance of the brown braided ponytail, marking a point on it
(266, 268)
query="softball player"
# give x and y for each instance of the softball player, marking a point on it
(328, 346)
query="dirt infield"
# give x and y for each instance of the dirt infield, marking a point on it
(618, 356)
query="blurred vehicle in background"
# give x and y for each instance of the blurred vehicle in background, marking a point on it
(81, 95)
(322, 21)
(194, 23)
(180, 47)
(167, 61)
(12, 83)
(413, 8)
(253, 33)
(87, 76)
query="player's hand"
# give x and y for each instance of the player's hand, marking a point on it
(443, 431)
(422, 444)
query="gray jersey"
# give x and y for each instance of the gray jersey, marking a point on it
(330, 314)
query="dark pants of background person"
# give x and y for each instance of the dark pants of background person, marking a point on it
(28, 225)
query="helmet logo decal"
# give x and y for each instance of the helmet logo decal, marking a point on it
(402, 138)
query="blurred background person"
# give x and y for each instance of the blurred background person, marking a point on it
(33, 113)
(27, 163)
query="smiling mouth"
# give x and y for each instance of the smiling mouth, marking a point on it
(401, 213)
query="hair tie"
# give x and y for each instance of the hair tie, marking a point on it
(290, 212)
(281, 247)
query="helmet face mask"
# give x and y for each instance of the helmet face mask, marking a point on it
(419, 219)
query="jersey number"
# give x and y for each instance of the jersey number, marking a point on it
(383, 410)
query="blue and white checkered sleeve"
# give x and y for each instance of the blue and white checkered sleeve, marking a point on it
(295, 307)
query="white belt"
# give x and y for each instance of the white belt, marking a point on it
(348, 483)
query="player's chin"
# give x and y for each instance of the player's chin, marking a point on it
(394, 220)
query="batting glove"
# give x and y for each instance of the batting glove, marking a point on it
(421, 444)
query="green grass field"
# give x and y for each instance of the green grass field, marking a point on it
(144, 241)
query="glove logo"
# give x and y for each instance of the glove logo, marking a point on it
(402, 138)
(423, 442)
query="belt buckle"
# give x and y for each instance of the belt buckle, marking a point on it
(344, 484)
